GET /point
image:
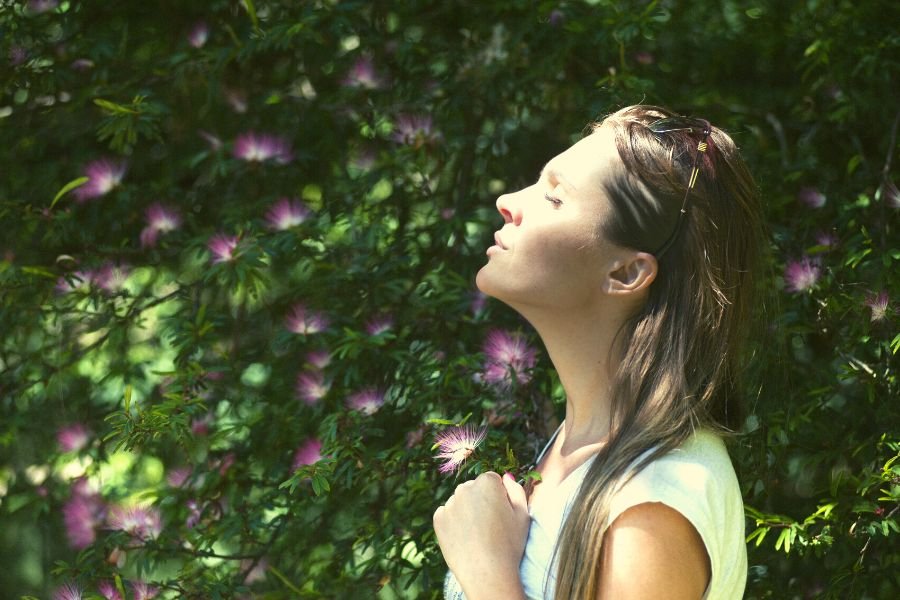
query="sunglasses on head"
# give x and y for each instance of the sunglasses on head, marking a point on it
(670, 125)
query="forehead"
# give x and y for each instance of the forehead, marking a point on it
(586, 164)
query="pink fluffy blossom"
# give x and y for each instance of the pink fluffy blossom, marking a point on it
(508, 358)
(222, 247)
(456, 444)
(286, 213)
(78, 280)
(69, 591)
(253, 147)
(36, 7)
(801, 275)
(826, 239)
(879, 305)
(811, 197)
(304, 321)
(112, 277)
(108, 590)
(143, 591)
(379, 324)
(319, 358)
(82, 513)
(311, 387)
(199, 34)
(366, 401)
(73, 437)
(308, 453)
(103, 176)
(414, 130)
(178, 476)
(362, 74)
(141, 522)
(160, 219)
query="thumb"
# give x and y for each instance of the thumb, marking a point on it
(515, 492)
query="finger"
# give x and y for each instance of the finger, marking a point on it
(515, 492)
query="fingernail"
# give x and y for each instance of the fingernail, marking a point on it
(510, 475)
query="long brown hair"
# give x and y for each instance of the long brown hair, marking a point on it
(680, 359)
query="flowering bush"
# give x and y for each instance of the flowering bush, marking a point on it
(242, 355)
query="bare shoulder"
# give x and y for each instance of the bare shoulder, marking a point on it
(652, 551)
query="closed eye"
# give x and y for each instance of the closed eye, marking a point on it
(552, 200)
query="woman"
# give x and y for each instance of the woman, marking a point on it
(633, 256)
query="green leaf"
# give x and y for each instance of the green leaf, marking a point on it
(114, 108)
(251, 10)
(68, 188)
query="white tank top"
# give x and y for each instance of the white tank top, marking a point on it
(696, 479)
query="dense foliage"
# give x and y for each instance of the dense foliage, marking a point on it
(236, 267)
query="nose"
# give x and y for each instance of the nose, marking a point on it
(509, 209)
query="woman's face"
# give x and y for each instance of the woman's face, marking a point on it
(550, 251)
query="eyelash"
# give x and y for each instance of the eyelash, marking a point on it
(552, 200)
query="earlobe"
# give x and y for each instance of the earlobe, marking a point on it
(631, 275)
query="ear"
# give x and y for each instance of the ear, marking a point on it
(631, 274)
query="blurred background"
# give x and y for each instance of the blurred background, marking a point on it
(236, 278)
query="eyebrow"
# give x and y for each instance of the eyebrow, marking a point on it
(551, 172)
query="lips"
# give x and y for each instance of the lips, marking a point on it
(498, 241)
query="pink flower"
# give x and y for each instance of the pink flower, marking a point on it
(214, 142)
(36, 7)
(644, 58)
(366, 401)
(362, 75)
(17, 55)
(111, 277)
(479, 301)
(82, 514)
(311, 387)
(456, 444)
(143, 591)
(811, 197)
(801, 275)
(305, 322)
(178, 476)
(201, 426)
(103, 176)
(69, 591)
(82, 64)
(72, 438)
(556, 17)
(826, 239)
(319, 358)
(253, 147)
(160, 219)
(108, 590)
(194, 514)
(362, 159)
(286, 213)
(79, 280)
(414, 130)
(879, 305)
(309, 453)
(199, 34)
(507, 358)
(141, 522)
(237, 100)
(889, 193)
(380, 324)
(222, 247)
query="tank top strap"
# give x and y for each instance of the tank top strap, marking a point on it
(540, 456)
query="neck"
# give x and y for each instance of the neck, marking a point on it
(581, 347)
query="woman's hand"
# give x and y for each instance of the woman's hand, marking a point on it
(482, 532)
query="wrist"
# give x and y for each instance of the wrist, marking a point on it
(496, 584)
